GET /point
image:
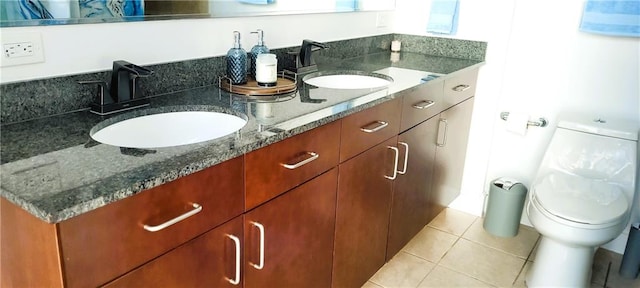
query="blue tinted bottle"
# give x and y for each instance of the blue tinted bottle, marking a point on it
(258, 49)
(237, 62)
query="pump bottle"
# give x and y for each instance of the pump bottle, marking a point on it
(258, 49)
(237, 62)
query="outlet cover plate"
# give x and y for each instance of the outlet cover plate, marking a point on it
(32, 40)
(382, 19)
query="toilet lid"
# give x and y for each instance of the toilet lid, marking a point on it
(580, 199)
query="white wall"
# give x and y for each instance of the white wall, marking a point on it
(539, 63)
(481, 21)
(73, 49)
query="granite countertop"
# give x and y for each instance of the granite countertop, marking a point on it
(53, 169)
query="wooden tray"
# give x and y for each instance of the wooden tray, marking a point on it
(251, 88)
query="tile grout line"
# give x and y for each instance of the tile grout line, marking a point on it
(526, 258)
(519, 273)
(488, 247)
(534, 247)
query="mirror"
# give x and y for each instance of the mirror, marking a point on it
(15, 13)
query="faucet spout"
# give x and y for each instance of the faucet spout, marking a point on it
(124, 84)
(304, 62)
(124, 91)
(308, 46)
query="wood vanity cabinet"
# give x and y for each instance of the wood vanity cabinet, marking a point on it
(107, 242)
(289, 240)
(365, 177)
(362, 216)
(453, 135)
(103, 244)
(412, 195)
(434, 151)
(286, 242)
(326, 208)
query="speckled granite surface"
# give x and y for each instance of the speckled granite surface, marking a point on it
(52, 169)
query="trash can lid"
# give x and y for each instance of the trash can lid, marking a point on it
(580, 199)
(505, 183)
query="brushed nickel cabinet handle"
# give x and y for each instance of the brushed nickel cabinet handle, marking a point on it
(406, 157)
(377, 126)
(395, 167)
(236, 242)
(423, 104)
(442, 133)
(461, 87)
(260, 264)
(196, 209)
(313, 156)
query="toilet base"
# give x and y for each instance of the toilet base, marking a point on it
(560, 265)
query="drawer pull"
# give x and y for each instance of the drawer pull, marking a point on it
(395, 167)
(196, 209)
(377, 126)
(313, 156)
(260, 265)
(236, 242)
(461, 87)
(423, 104)
(406, 157)
(442, 133)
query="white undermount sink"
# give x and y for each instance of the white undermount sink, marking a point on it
(348, 80)
(168, 129)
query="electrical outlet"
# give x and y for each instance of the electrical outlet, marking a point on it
(382, 19)
(22, 48)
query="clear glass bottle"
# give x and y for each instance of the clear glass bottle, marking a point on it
(256, 50)
(237, 62)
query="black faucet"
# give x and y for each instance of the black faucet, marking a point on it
(124, 84)
(304, 58)
(124, 91)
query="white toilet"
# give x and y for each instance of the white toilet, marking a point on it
(581, 197)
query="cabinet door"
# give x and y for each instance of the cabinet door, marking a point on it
(210, 260)
(289, 240)
(410, 209)
(453, 134)
(362, 216)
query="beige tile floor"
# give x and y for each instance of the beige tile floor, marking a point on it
(455, 251)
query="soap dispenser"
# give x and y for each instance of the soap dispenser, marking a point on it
(258, 49)
(237, 62)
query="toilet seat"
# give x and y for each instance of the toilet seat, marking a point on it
(580, 200)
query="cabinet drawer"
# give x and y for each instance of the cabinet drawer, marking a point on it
(421, 103)
(107, 242)
(207, 261)
(459, 88)
(274, 169)
(367, 128)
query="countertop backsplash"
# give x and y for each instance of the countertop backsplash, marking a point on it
(28, 100)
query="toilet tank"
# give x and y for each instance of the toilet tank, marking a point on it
(599, 149)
